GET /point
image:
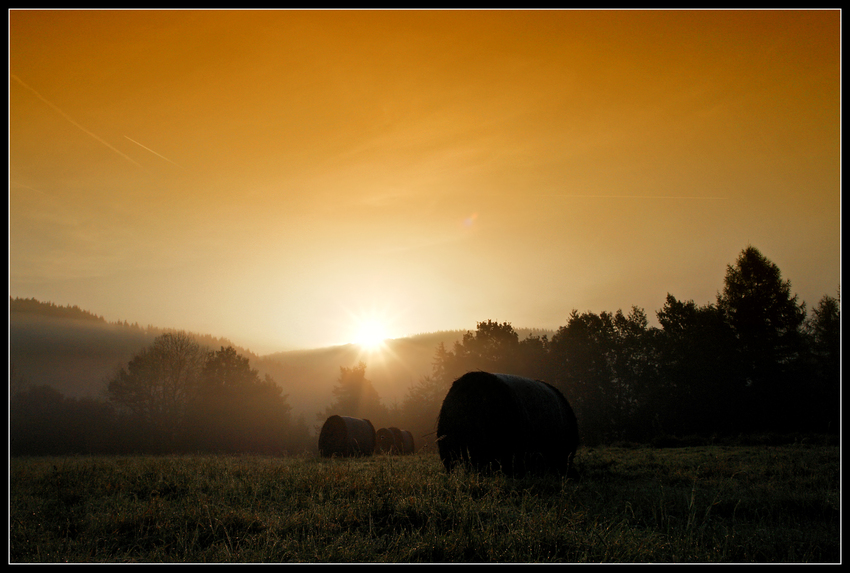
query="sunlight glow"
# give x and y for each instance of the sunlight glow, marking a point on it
(370, 334)
(371, 328)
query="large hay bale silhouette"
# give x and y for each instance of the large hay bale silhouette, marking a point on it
(407, 444)
(502, 422)
(346, 436)
(386, 441)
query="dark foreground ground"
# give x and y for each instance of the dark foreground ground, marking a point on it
(696, 504)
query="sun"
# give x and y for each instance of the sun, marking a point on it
(370, 334)
(370, 328)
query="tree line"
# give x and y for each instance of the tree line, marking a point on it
(34, 306)
(752, 361)
(173, 396)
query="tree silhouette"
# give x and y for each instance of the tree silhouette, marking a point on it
(635, 367)
(355, 396)
(697, 390)
(824, 327)
(581, 352)
(158, 383)
(493, 347)
(767, 324)
(823, 383)
(603, 364)
(532, 357)
(234, 409)
(759, 306)
(225, 369)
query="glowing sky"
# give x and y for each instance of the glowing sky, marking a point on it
(273, 177)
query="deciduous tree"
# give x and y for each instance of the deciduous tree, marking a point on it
(697, 389)
(158, 383)
(236, 410)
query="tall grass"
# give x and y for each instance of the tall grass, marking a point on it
(702, 504)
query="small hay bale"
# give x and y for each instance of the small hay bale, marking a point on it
(346, 436)
(399, 440)
(502, 422)
(386, 441)
(394, 441)
(407, 444)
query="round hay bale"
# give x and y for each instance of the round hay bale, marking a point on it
(407, 445)
(345, 436)
(502, 422)
(386, 441)
(398, 439)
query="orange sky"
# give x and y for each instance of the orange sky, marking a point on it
(272, 176)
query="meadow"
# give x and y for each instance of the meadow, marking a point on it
(731, 504)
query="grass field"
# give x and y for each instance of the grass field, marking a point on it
(699, 504)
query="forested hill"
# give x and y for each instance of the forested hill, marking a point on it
(35, 307)
(309, 376)
(74, 350)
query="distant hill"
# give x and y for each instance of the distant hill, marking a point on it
(312, 374)
(76, 351)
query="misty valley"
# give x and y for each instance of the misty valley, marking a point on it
(757, 361)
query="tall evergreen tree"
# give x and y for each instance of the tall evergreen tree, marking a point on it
(767, 321)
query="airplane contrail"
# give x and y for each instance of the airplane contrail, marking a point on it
(16, 184)
(637, 196)
(69, 118)
(152, 151)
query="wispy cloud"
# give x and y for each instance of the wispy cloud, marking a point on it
(152, 151)
(70, 119)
